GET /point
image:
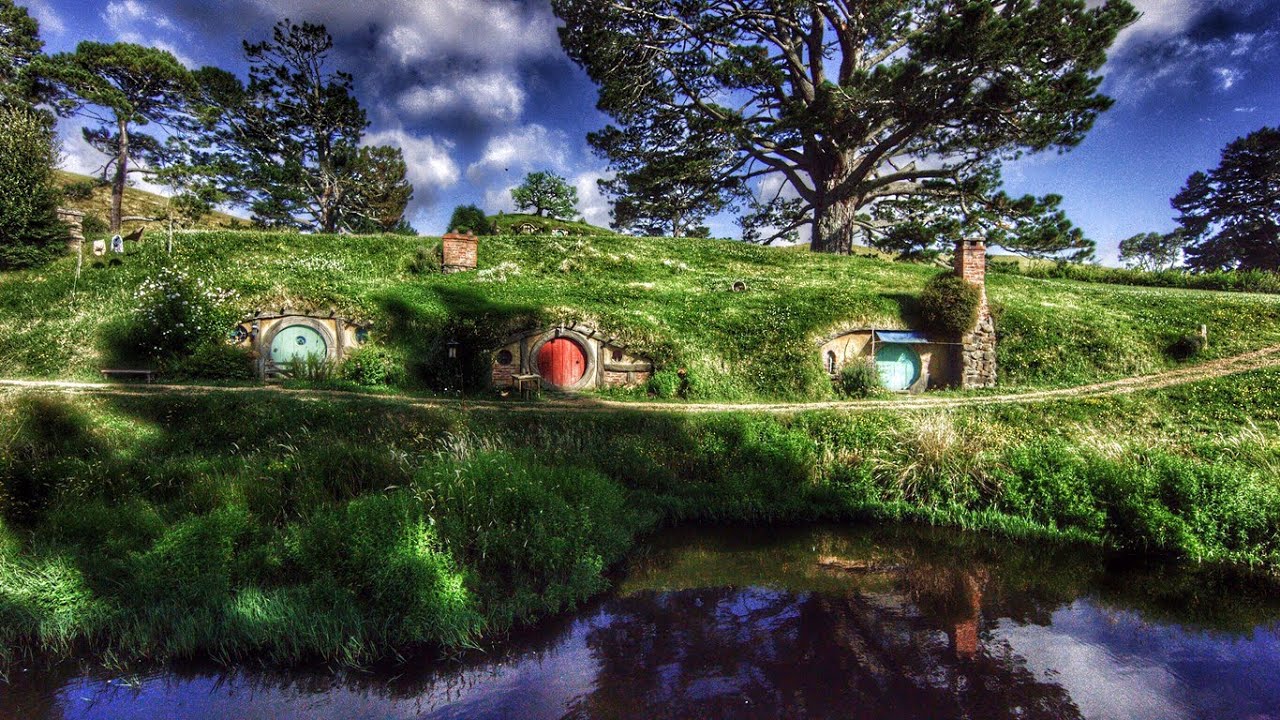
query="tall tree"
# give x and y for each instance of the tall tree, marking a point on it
(669, 178)
(29, 229)
(287, 145)
(379, 191)
(122, 87)
(1153, 251)
(546, 194)
(1231, 215)
(469, 218)
(854, 103)
(20, 44)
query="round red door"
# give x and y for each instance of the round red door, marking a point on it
(561, 362)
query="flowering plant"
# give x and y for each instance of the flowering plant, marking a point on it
(176, 313)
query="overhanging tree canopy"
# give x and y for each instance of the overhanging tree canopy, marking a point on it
(854, 103)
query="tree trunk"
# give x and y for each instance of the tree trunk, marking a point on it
(833, 227)
(122, 174)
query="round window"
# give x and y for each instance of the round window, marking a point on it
(505, 357)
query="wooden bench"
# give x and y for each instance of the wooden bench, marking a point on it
(528, 385)
(109, 373)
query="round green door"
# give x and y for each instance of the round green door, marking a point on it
(297, 342)
(899, 366)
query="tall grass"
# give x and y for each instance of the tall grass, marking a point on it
(248, 523)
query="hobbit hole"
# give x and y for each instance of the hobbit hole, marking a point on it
(276, 340)
(569, 358)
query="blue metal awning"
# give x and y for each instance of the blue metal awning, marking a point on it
(901, 337)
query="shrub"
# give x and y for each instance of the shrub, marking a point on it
(176, 315)
(310, 368)
(374, 365)
(213, 360)
(1186, 346)
(426, 259)
(949, 305)
(30, 232)
(859, 379)
(94, 226)
(80, 189)
(469, 218)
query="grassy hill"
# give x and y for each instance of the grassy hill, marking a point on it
(669, 298)
(137, 203)
(508, 224)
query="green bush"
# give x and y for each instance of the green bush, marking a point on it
(949, 305)
(30, 232)
(176, 314)
(1252, 281)
(1186, 346)
(424, 260)
(537, 537)
(375, 366)
(81, 189)
(469, 218)
(94, 227)
(214, 360)
(860, 379)
(383, 553)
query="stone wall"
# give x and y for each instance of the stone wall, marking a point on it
(74, 220)
(459, 252)
(978, 348)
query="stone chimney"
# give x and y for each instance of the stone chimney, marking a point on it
(459, 252)
(978, 351)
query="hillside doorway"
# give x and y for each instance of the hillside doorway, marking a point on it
(562, 362)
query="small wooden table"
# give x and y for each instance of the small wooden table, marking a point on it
(527, 385)
(109, 373)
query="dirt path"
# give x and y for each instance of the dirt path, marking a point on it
(1258, 359)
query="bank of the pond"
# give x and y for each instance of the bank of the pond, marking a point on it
(254, 524)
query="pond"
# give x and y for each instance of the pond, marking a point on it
(799, 623)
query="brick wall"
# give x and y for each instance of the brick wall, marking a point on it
(459, 252)
(978, 351)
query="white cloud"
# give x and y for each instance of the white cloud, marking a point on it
(413, 31)
(498, 199)
(594, 207)
(532, 147)
(496, 95)
(133, 21)
(431, 167)
(50, 21)
(1160, 19)
(1227, 76)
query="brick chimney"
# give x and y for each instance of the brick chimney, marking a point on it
(458, 252)
(978, 351)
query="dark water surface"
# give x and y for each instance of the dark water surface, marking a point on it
(818, 623)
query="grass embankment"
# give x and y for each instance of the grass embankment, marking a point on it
(509, 224)
(669, 299)
(235, 524)
(93, 198)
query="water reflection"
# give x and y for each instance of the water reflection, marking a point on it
(848, 623)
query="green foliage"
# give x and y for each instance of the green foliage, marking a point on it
(380, 191)
(1248, 281)
(949, 305)
(80, 189)
(375, 366)
(857, 123)
(425, 259)
(94, 227)
(30, 233)
(469, 218)
(1231, 215)
(121, 87)
(213, 360)
(546, 193)
(311, 368)
(860, 379)
(20, 44)
(177, 314)
(1186, 346)
(1153, 252)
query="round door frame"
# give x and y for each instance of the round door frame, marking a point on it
(590, 352)
(332, 351)
(919, 363)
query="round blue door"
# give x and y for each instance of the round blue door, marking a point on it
(899, 367)
(297, 342)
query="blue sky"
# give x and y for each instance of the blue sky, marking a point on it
(479, 92)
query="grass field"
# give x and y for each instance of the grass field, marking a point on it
(136, 203)
(670, 299)
(234, 525)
